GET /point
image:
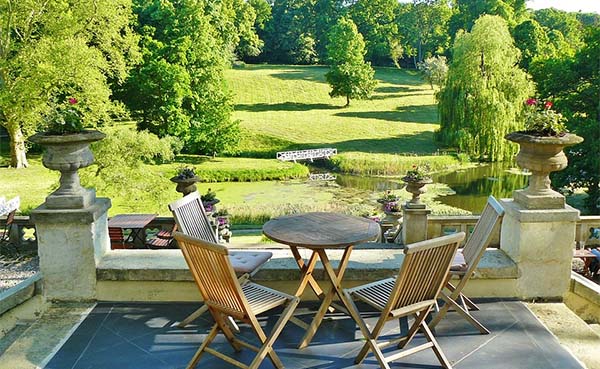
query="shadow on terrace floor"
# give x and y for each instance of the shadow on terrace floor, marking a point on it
(136, 335)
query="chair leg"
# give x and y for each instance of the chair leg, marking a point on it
(211, 336)
(267, 347)
(459, 309)
(193, 316)
(224, 326)
(467, 301)
(203, 309)
(436, 347)
(369, 336)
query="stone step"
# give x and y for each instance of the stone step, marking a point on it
(35, 345)
(596, 328)
(12, 336)
(572, 332)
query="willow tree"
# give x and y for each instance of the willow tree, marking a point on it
(484, 95)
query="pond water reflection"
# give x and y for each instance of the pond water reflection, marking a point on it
(470, 186)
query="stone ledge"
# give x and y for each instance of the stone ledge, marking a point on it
(585, 288)
(364, 265)
(20, 293)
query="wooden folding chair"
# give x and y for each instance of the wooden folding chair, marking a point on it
(465, 263)
(5, 234)
(225, 297)
(191, 219)
(118, 240)
(412, 293)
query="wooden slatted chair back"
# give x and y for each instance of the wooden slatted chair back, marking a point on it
(191, 218)
(116, 234)
(214, 275)
(482, 233)
(424, 270)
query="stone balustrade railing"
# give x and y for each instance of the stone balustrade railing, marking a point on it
(441, 225)
(588, 229)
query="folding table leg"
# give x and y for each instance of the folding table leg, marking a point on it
(335, 279)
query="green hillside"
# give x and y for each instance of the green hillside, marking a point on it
(288, 107)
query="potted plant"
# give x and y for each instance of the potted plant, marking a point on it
(416, 179)
(393, 211)
(186, 180)
(66, 143)
(388, 196)
(541, 152)
(209, 199)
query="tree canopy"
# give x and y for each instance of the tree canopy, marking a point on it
(350, 75)
(485, 92)
(51, 50)
(179, 88)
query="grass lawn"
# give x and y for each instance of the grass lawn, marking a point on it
(283, 108)
(288, 107)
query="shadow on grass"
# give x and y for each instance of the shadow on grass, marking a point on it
(392, 89)
(314, 74)
(192, 159)
(397, 96)
(411, 113)
(419, 143)
(286, 106)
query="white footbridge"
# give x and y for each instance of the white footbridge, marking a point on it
(311, 155)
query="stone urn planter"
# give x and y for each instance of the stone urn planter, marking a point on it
(185, 185)
(541, 156)
(67, 154)
(416, 188)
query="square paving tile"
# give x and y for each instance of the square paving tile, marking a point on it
(145, 336)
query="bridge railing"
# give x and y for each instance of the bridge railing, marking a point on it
(311, 154)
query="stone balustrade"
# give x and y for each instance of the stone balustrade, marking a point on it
(438, 225)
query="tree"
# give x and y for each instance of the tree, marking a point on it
(290, 34)
(573, 84)
(468, 11)
(532, 40)
(424, 25)
(179, 88)
(350, 75)
(53, 49)
(435, 70)
(564, 22)
(375, 20)
(484, 93)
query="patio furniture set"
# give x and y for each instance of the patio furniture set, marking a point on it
(222, 276)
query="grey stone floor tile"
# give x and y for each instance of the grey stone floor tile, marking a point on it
(116, 336)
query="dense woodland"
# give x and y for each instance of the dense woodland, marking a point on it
(161, 63)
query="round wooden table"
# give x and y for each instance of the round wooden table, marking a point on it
(319, 232)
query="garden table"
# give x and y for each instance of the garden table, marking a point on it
(136, 223)
(320, 232)
(587, 256)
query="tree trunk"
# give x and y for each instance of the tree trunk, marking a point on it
(18, 157)
(347, 101)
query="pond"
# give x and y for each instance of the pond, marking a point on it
(470, 187)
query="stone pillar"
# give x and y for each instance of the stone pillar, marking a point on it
(70, 243)
(541, 243)
(414, 224)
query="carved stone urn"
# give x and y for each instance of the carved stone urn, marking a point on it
(541, 155)
(185, 185)
(416, 188)
(67, 154)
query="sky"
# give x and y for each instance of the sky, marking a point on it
(586, 6)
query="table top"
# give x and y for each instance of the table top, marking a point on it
(131, 220)
(583, 253)
(321, 230)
